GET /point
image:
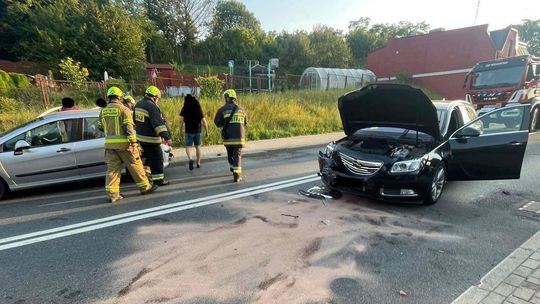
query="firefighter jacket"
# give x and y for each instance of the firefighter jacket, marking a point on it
(149, 122)
(116, 122)
(234, 128)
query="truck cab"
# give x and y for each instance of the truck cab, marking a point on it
(498, 83)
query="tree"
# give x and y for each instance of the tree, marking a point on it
(293, 51)
(329, 48)
(529, 32)
(231, 14)
(182, 21)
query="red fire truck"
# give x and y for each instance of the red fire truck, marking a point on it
(498, 83)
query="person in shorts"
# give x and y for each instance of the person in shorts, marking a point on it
(192, 118)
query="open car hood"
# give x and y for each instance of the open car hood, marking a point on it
(388, 105)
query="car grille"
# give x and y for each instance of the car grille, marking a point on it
(360, 167)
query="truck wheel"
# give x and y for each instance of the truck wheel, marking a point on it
(534, 120)
(436, 187)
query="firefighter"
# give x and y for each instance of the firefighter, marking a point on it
(129, 102)
(116, 121)
(151, 131)
(233, 120)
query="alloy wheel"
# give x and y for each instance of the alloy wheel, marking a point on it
(437, 184)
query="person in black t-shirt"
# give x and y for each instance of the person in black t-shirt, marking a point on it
(192, 117)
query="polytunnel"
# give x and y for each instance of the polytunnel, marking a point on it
(329, 78)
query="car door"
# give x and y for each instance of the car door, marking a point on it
(90, 154)
(50, 158)
(491, 146)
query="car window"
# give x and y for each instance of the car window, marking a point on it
(52, 133)
(440, 117)
(506, 120)
(455, 121)
(91, 130)
(469, 112)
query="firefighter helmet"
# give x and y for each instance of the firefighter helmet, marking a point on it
(230, 93)
(153, 91)
(114, 91)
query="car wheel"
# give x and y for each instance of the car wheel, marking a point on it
(534, 120)
(3, 189)
(436, 187)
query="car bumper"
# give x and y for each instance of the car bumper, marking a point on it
(380, 185)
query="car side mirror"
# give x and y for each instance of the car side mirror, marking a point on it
(468, 132)
(20, 146)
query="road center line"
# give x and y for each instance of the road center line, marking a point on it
(166, 208)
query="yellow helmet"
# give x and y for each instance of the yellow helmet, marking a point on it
(129, 99)
(153, 91)
(230, 93)
(114, 91)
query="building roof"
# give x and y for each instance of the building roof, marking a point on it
(499, 37)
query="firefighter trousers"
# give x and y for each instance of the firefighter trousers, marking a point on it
(234, 156)
(131, 159)
(153, 157)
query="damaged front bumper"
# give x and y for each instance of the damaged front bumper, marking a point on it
(382, 185)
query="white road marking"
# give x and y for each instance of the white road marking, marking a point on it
(50, 234)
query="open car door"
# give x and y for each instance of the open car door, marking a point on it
(491, 146)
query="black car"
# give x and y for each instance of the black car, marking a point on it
(394, 146)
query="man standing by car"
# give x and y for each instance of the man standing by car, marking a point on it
(121, 146)
(151, 129)
(233, 119)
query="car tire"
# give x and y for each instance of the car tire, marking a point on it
(3, 189)
(436, 186)
(534, 120)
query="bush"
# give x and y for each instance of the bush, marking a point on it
(5, 81)
(7, 105)
(20, 80)
(211, 87)
(117, 82)
(71, 70)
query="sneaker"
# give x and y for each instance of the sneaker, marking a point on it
(190, 164)
(116, 199)
(150, 190)
(161, 182)
(237, 178)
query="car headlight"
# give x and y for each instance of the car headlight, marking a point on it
(407, 166)
(329, 149)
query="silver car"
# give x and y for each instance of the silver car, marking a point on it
(55, 148)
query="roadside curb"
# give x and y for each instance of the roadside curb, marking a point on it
(494, 284)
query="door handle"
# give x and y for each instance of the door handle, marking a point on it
(516, 143)
(63, 150)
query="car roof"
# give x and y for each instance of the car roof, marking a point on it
(445, 105)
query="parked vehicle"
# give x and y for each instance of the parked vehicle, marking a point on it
(497, 83)
(399, 144)
(55, 148)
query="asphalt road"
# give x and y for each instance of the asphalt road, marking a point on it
(204, 239)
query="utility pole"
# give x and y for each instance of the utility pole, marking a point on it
(477, 11)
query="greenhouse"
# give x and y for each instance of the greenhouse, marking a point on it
(327, 78)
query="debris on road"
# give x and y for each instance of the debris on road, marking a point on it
(326, 222)
(403, 293)
(506, 192)
(291, 201)
(290, 215)
(316, 192)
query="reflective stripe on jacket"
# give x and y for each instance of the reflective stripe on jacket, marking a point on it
(149, 122)
(234, 132)
(117, 124)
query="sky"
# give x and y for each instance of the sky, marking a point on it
(291, 15)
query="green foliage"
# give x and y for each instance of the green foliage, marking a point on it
(328, 48)
(293, 51)
(20, 80)
(404, 77)
(529, 31)
(211, 86)
(117, 82)
(231, 14)
(8, 105)
(5, 81)
(71, 70)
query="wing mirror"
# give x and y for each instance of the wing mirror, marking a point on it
(20, 146)
(468, 132)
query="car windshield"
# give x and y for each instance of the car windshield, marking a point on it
(502, 77)
(21, 126)
(440, 117)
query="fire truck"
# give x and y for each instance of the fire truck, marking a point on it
(502, 82)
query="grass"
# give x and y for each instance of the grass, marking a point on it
(269, 115)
